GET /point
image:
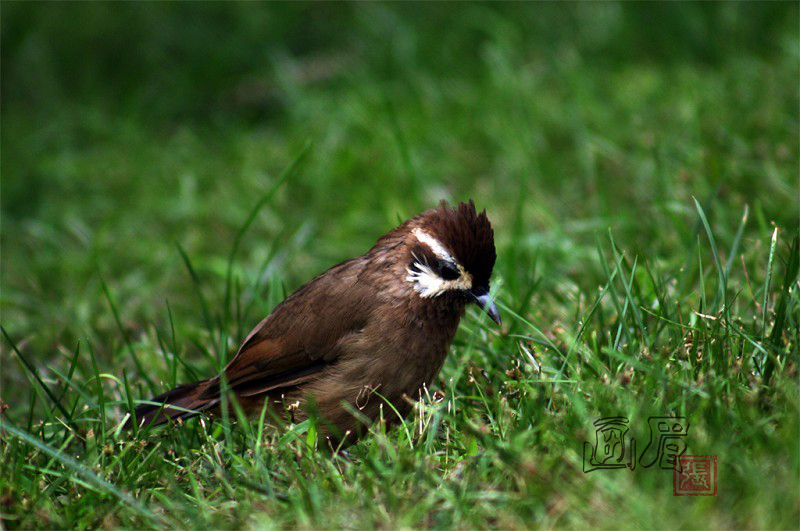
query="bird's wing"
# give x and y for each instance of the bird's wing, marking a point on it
(303, 334)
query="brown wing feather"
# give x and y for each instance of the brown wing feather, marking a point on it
(302, 335)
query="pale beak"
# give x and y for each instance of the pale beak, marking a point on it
(488, 306)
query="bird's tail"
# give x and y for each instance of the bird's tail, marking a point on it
(181, 403)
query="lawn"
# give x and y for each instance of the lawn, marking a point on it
(171, 171)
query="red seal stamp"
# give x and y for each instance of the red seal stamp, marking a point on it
(695, 475)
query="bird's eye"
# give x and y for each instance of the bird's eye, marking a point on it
(448, 271)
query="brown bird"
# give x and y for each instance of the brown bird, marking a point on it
(375, 328)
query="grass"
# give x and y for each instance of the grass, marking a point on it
(170, 174)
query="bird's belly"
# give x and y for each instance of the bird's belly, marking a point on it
(355, 392)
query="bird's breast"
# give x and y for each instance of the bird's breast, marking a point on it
(391, 359)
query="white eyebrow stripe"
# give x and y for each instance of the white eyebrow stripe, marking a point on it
(434, 244)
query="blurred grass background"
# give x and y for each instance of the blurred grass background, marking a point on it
(131, 128)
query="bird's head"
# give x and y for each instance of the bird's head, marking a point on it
(451, 253)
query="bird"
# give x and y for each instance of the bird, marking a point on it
(371, 330)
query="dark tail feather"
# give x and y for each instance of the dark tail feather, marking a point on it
(187, 396)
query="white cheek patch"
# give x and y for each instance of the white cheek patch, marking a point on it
(426, 282)
(429, 284)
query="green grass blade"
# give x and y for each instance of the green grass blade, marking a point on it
(35, 373)
(134, 422)
(288, 172)
(614, 300)
(722, 286)
(634, 306)
(140, 369)
(770, 264)
(789, 278)
(71, 371)
(198, 289)
(736, 241)
(101, 398)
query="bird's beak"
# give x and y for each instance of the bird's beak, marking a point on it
(488, 306)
